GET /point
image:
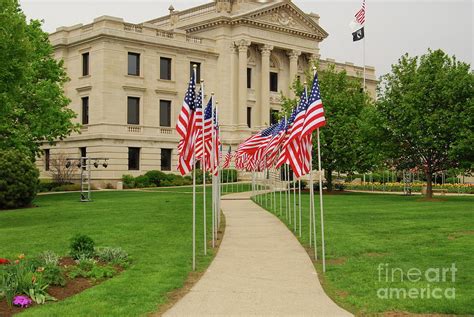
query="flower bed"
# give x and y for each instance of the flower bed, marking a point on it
(415, 187)
(29, 281)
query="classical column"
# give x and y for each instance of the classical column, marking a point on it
(265, 86)
(242, 71)
(293, 56)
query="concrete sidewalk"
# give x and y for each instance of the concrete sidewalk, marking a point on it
(261, 270)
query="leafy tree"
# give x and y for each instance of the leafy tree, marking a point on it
(342, 147)
(32, 101)
(18, 179)
(427, 114)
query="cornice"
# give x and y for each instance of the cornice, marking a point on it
(245, 21)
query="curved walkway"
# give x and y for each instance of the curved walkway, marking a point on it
(260, 270)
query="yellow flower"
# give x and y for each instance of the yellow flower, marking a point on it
(40, 269)
(21, 256)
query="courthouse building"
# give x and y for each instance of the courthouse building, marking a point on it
(127, 81)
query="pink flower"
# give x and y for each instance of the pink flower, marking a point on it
(22, 301)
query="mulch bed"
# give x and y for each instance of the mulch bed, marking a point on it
(72, 287)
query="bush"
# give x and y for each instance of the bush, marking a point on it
(339, 186)
(18, 179)
(128, 181)
(199, 178)
(229, 175)
(81, 246)
(53, 275)
(142, 181)
(156, 177)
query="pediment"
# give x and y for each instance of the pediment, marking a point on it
(281, 16)
(286, 15)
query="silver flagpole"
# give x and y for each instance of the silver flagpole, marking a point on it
(321, 203)
(194, 213)
(299, 202)
(194, 197)
(294, 205)
(213, 179)
(203, 163)
(218, 211)
(320, 199)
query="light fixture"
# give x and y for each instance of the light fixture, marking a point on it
(68, 164)
(105, 164)
(96, 164)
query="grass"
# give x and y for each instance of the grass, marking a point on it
(226, 188)
(154, 227)
(364, 231)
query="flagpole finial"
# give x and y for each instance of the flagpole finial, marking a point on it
(195, 66)
(202, 81)
(305, 83)
(212, 93)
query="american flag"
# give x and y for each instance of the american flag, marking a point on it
(273, 146)
(255, 142)
(360, 15)
(185, 128)
(292, 145)
(315, 113)
(214, 166)
(207, 133)
(228, 158)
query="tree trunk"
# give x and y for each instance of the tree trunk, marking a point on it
(329, 180)
(429, 184)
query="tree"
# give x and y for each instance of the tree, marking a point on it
(342, 148)
(18, 179)
(32, 101)
(427, 112)
(59, 171)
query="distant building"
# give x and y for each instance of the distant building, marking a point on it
(128, 80)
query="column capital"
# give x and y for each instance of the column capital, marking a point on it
(242, 45)
(293, 54)
(266, 49)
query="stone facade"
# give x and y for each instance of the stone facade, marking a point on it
(226, 37)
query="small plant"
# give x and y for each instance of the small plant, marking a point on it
(48, 258)
(113, 255)
(85, 264)
(53, 275)
(81, 246)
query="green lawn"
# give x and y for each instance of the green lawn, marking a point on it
(364, 231)
(155, 228)
(226, 188)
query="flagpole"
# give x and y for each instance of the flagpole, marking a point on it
(321, 193)
(321, 202)
(203, 161)
(218, 211)
(299, 202)
(213, 185)
(194, 195)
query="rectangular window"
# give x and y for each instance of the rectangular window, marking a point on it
(165, 68)
(134, 64)
(166, 159)
(249, 117)
(165, 113)
(274, 81)
(83, 151)
(133, 158)
(46, 159)
(85, 64)
(85, 110)
(273, 116)
(198, 70)
(133, 110)
(249, 77)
